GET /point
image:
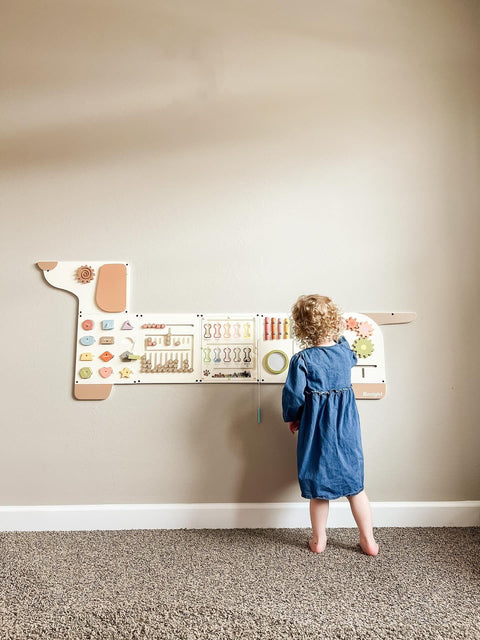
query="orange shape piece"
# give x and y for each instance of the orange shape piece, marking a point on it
(106, 356)
(111, 293)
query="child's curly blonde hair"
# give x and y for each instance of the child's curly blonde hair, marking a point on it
(316, 319)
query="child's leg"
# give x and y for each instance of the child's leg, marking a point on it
(363, 517)
(318, 516)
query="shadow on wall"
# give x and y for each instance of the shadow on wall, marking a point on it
(268, 450)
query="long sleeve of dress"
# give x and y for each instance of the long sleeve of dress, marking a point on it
(344, 342)
(293, 398)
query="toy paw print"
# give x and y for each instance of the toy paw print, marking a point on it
(85, 274)
(363, 347)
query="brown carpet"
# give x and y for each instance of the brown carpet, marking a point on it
(243, 584)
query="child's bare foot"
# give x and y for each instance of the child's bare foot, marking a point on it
(318, 545)
(369, 546)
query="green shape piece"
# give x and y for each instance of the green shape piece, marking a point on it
(85, 372)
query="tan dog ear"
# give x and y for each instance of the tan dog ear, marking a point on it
(111, 294)
(47, 266)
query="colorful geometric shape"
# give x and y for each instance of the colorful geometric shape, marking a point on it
(87, 325)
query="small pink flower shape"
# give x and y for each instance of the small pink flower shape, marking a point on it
(365, 329)
(351, 324)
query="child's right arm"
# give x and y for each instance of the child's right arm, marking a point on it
(293, 398)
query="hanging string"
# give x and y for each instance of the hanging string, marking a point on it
(259, 396)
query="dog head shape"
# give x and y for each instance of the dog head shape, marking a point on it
(100, 286)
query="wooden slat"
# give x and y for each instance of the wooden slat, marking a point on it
(394, 317)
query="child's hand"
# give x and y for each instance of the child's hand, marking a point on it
(293, 426)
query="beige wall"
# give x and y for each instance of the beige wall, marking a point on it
(238, 154)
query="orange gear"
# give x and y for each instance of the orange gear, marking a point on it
(351, 324)
(85, 274)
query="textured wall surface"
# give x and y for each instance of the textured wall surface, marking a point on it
(239, 154)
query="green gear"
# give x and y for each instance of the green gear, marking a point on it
(363, 347)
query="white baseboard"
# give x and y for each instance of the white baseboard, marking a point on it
(227, 516)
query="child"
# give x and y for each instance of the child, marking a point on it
(318, 402)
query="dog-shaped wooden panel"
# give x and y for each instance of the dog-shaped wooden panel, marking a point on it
(117, 346)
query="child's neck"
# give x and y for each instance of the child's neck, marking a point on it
(326, 343)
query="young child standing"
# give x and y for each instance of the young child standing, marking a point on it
(318, 401)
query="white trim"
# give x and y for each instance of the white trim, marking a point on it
(227, 516)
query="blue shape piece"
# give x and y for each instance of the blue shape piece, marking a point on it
(87, 340)
(107, 324)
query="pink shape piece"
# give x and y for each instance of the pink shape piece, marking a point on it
(127, 325)
(105, 372)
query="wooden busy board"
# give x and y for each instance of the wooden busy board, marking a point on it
(115, 345)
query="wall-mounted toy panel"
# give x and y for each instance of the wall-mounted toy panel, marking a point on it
(366, 340)
(117, 346)
(276, 347)
(170, 348)
(229, 348)
(137, 348)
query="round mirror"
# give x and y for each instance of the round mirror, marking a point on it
(276, 361)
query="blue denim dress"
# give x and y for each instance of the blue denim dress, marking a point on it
(318, 392)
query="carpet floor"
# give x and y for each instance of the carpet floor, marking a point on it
(244, 584)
